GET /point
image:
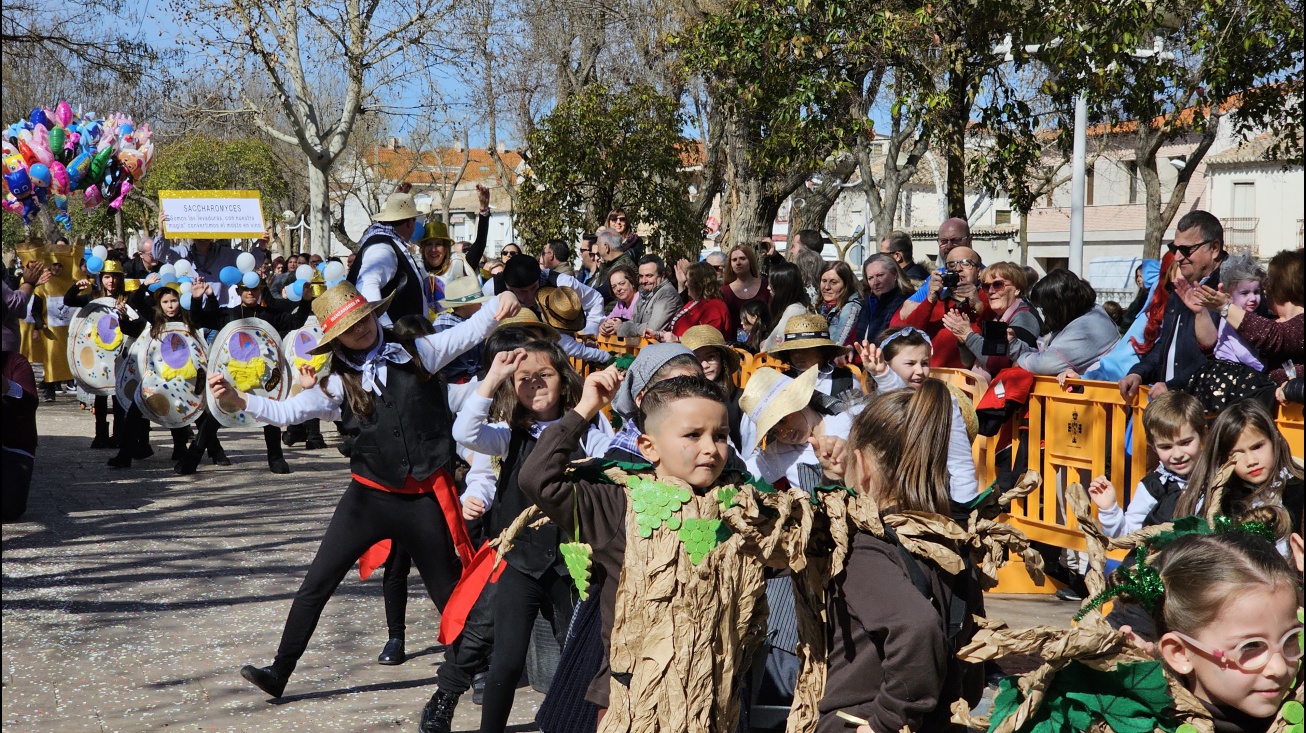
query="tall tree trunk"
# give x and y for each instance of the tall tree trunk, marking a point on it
(954, 144)
(319, 211)
(1024, 238)
(1159, 216)
(812, 205)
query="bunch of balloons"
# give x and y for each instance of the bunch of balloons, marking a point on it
(52, 154)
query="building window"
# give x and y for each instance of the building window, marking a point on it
(1002, 217)
(1088, 186)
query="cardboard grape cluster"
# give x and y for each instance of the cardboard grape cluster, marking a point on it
(53, 155)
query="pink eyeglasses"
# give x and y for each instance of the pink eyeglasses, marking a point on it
(1252, 654)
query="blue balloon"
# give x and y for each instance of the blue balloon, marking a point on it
(94, 265)
(167, 278)
(321, 265)
(184, 281)
(298, 287)
(185, 299)
(333, 283)
(250, 280)
(230, 275)
(155, 286)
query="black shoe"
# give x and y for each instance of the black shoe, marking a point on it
(1069, 594)
(120, 461)
(103, 442)
(478, 688)
(186, 466)
(220, 458)
(393, 653)
(48, 398)
(265, 678)
(314, 444)
(275, 465)
(290, 438)
(437, 716)
(143, 452)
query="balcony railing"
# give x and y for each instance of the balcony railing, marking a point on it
(1240, 235)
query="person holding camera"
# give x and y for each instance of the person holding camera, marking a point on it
(955, 289)
(1005, 286)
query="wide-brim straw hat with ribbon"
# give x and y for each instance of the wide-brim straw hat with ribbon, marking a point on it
(561, 308)
(967, 407)
(528, 320)
(435, 232)
(398, 207)
(339, 309)
(770, 396)
(462, 291)
(697, 337)
(809, 331)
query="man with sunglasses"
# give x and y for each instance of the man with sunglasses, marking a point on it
(1198, 249)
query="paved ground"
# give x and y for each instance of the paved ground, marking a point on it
(132, 598)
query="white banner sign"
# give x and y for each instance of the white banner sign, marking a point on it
(212, 214)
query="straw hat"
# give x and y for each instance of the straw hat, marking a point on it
(463, 291)
(696, 337)
(561, 308)
(435, 232)
(339, 308)
(967, 407)
(770, 396)
(808, 331)
(398, 207)
(528, 320)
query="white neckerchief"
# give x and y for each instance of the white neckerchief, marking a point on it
(372, 369)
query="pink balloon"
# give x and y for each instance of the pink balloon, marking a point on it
(92, 198)
(63, 112)
(59, 175)
(116, 204)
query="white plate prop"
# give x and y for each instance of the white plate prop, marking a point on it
(172, 377)
(296, 348)
(248, 352)
(95, 339)
(127, 371)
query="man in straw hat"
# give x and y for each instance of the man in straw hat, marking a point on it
(385, 266)
(402, 486)
(524, 278)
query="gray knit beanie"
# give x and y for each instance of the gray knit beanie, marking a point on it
(650, 359)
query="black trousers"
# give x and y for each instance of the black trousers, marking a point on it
(101, 410)
(394, 588)
(364, 517)
(518, 600)
(206, 438)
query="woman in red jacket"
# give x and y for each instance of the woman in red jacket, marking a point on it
(705, 306)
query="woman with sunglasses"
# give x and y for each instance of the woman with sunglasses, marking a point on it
(1005, 285)
(631, 244)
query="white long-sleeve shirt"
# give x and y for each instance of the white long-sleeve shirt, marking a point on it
(963, 484)
(378, 268)
(480, 479)
(472, 430)
(435, 351)
(782, 460)
(590, 299)
(1117, 522)
(572, 347)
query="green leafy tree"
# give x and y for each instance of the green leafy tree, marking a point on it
(601, 149)
(203, 162)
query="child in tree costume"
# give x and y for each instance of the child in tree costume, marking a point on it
(689, 607)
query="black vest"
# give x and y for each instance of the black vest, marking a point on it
(408, 433)
(406, 284)
(1166, 494)
(534, 550)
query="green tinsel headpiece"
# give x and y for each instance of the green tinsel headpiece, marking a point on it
(1143, 582)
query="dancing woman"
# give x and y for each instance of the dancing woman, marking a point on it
(401, 487)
